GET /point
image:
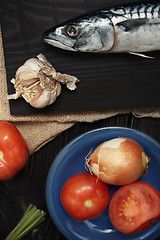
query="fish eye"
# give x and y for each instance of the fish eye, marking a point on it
(72, 31)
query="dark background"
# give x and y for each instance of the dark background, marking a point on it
(136, 83)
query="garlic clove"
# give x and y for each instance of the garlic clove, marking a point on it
(32, 93)
(42, 101)
(43, 59)
(26, 78)
(55, 94)
(33, 64)
(39, 98)
(46, 98)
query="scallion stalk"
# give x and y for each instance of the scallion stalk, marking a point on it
(31, 218)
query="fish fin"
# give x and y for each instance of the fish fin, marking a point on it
(132, 24)
(141, 55)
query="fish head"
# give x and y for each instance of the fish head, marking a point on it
(85, 34)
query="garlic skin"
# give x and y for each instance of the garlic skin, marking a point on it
(38, 82)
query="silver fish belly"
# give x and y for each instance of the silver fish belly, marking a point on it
(134, 28)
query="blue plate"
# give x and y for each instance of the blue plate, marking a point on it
(71, 160)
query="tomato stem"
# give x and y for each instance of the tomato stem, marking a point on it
(88, 203)
(31, 218)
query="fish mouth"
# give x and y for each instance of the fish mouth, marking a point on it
(56, 42)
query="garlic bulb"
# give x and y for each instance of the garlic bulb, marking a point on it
(38, 82)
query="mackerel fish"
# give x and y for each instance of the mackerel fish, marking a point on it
(132, 28)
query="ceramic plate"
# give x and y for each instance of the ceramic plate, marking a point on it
(71, 160)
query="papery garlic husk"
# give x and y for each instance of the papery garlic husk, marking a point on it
(38, 82)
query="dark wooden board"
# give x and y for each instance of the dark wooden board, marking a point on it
(106, 81)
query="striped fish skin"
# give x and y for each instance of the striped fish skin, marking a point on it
(132, 28)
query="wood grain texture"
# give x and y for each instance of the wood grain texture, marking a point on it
(106, 81)
(29, 185)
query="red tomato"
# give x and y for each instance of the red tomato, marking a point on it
(84, 197)
(14, 151)
(134, 207)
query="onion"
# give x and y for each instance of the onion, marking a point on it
(118, 161)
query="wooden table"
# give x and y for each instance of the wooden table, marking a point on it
(29, 185)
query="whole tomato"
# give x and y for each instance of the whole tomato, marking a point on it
(84, 196)
(14, 151)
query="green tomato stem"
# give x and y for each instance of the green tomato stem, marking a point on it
(31, 218)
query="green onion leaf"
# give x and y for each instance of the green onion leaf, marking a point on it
(31, 218)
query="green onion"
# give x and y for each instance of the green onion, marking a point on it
(31, 218)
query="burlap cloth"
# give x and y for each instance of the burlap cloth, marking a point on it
(39, 129)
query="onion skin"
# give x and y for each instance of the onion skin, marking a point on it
(118, 161)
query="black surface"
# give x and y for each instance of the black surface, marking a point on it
(106, 81)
